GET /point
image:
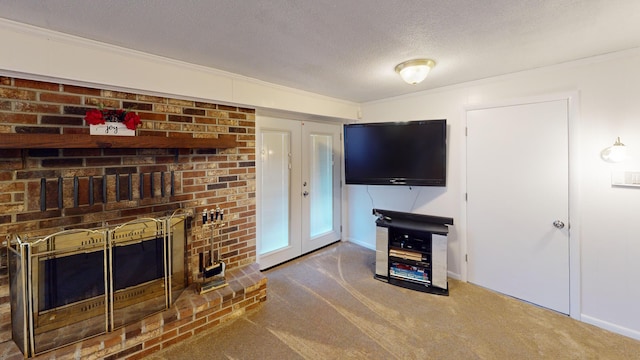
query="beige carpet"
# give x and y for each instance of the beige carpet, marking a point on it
(327, 305)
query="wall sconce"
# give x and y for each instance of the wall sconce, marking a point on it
(414, 71)
(615, 153)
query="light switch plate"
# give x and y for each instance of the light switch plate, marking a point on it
(625, 178)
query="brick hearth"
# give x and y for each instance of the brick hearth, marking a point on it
(201, 178)
(192, 314)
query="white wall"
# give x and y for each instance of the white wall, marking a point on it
(608, 106)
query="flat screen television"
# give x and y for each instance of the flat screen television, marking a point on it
(412, 153)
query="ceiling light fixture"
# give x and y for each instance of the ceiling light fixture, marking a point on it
(414, 71)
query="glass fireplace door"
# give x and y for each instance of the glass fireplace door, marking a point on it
(137, 278)
(68, 288)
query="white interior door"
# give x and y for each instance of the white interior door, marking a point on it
(298, 190)
(517, 201)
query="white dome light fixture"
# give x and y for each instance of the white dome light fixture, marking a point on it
(615, 153)
(414, 71)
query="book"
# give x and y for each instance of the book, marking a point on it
(404, 254)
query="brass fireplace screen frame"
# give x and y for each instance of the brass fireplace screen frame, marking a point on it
(109, 304)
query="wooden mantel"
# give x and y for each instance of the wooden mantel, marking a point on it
(85, 141)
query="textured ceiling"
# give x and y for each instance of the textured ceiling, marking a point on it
(348, 49)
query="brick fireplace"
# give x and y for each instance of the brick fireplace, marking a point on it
(187, 155)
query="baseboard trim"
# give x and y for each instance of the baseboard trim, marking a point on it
(453, 275)
(362, 243)
(634, 334)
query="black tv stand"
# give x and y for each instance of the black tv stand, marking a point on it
(411, 250)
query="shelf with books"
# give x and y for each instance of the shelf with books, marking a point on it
(409, 272)
(411, 251)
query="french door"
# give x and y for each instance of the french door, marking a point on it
(298, 190)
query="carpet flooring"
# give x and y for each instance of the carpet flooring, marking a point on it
(327, 305)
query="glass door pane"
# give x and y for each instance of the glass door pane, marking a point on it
(321, 195)
(321, 185)
(275, 182)
(278, 191)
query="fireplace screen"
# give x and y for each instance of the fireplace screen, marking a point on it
(76, 284)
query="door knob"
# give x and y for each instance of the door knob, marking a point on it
(559, 224)
(305, 194)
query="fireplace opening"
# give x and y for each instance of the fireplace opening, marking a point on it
(69, 279)
(137, 274)
(135, 264)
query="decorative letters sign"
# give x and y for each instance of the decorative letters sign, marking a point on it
(111, 128)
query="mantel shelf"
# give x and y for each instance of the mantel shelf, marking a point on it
(85, 141)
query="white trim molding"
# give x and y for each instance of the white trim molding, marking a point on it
(45, 55)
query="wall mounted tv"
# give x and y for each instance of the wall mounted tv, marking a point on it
(412, 153)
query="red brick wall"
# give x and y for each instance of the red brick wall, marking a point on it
(203, 177)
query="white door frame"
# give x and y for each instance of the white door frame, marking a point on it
(574, 191)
